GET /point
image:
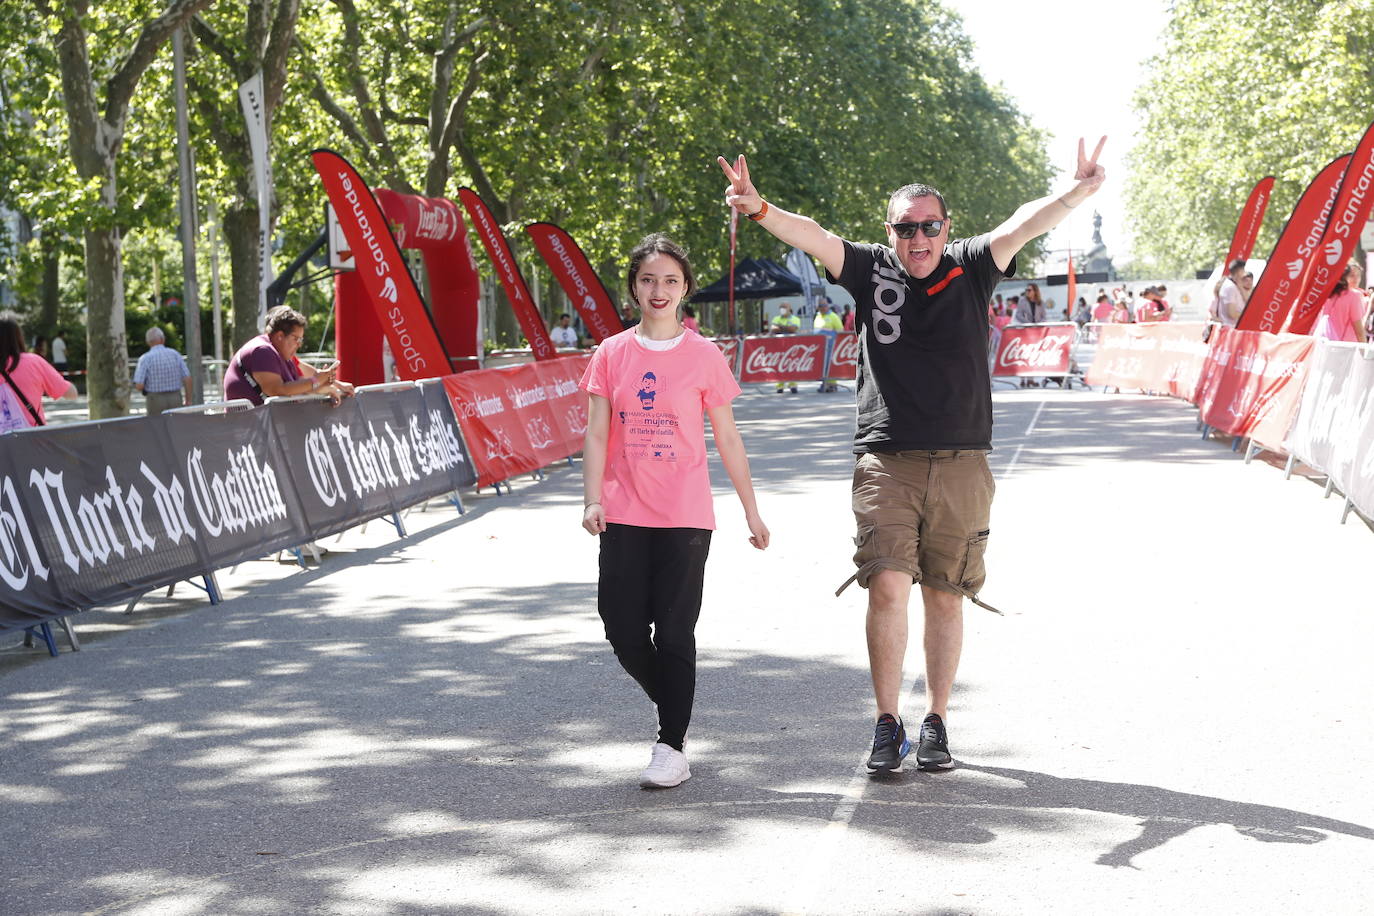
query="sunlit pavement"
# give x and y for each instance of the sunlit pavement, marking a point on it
(1173, 715)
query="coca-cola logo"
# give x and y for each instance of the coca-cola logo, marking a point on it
(1050, 351)
(846, 351)
(798, 358)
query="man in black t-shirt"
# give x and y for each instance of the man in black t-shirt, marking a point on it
(922, 488)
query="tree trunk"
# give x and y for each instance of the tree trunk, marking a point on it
(107, 368)
(49, 295)
(241, 232)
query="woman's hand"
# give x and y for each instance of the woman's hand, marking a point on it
(594, 518)
(758, 531)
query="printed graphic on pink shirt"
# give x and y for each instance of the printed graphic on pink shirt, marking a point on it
(650, 435)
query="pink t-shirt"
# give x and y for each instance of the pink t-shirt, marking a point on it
(36, 377)
(1340, 315)
(656, 474)
(1102, 312)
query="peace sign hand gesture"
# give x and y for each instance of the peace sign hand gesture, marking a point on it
(1089, 174)
(740, 193)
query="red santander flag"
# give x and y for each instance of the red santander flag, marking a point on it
(1247, 227)
(574, 273)
(1337, 245)
(389, 285)
(498, 250)
(1285, 274)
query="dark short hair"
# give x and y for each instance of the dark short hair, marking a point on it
(658, 243)
(564, 315)
(11, 340)
(1237, 264)
(284, 318)
(914, 191)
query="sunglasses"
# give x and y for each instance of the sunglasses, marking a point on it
(930, 228)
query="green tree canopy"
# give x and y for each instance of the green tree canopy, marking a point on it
(1240, 90)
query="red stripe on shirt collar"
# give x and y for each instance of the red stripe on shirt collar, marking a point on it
(956, 272)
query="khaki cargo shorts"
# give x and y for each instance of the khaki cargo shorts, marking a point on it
(924, 513)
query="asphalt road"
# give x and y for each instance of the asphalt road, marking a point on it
(1174, 715)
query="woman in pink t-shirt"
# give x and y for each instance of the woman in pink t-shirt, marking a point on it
(30, 377)
(1342, 316)
(647, 491)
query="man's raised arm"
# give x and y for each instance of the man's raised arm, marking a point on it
(798, 231)
(1040, 216)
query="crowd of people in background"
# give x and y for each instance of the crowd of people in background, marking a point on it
(1347, 315)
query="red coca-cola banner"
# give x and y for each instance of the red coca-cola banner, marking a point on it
(1247, 227)
(574, 273)
(498, 250)
(1035, 349)
(1159, 356)
(1342, 233)
(389, 285)
(1251, 383)
(729, 348)
(519, 418)
(844, 357)
(790, 358)
(1285, 273)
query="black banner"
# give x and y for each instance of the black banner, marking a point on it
(447, 448)
(100, 512)
(370, 456)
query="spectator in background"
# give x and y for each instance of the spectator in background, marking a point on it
(847, 319)
(1342, 317)
(784, 322)
(1121, 311)
(1230, 298)
(59, 352)
(266, 366)
(40, 347)
(1102, 311)
(689, 319)
(1152, 306)
(1031, 310)
(628, 317)
(1081, 313)
(1247, 285)
(564, 334)
(27, 376)
(161, 375)
(827, 323)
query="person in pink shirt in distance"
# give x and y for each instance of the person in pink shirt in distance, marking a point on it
(647, 492)
(1342, 316)
(28, 375)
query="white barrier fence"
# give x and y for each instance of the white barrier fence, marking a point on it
(1334, 429)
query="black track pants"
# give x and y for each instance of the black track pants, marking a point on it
(649, 598)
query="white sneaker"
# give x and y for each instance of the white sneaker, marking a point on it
(667, 768)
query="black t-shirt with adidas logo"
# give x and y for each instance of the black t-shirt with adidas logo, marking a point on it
(923, 347)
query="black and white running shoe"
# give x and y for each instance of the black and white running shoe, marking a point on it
(890, 745)
(933, 748)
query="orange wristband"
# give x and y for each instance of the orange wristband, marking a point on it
(763, 211)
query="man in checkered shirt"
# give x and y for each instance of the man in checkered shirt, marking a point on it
(162, 375)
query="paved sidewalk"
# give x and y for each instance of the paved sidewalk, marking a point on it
(1173, 715)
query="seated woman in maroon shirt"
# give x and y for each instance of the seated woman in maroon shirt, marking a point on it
(266, 366)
